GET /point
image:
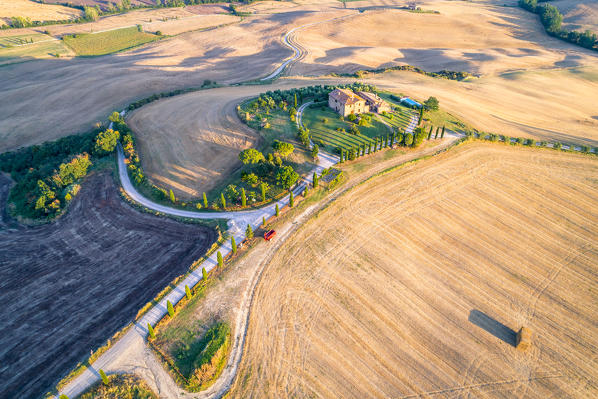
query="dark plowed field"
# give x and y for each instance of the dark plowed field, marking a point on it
(67, 286)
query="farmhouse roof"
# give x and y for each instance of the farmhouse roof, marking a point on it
(345, 96)
(372, 98)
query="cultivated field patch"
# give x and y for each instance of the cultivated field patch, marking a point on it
(19, 48)
(414, 283)
(35, 11)
(68, 285)
(108, 42)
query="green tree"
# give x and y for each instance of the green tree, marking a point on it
(151, 332)
(551, 18)
(442, 135)
(106, 141)
(205, 200)
(170, 308)
(291, 199)
(263, 221)
(408, 140)
(187, 292)
(263, 187)
(314, 151)
(431, 104)
(222, 200)
(286, 176)
(283, 149)
(204, 274)
(295, 102)
(63, 397)
(219, 258)
(277, 210)
(305, 192)
(233, 245)
(249, 232)
(104, 377)
(251, 156)
(243, 198)
(430, 132)
(557, 146)
(172, 197)
(421, 115)
(507, 139)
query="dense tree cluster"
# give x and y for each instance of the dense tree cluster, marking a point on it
(47, 175)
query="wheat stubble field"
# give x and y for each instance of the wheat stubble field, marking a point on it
(410, 285)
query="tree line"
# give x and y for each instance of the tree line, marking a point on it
(552, 19)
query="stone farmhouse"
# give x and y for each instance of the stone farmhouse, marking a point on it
(346, 102)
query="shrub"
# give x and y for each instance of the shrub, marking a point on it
(103, 377)
(585, 149)
(158, 33)
(170, 308)
(151, 332)
(557, 146)
(519, 141)
(408, 139)
(172, 197)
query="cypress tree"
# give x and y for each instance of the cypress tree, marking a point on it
(370, 147)
(315, 181)
(170, 308)
(392, 138)
(430, 132)
(277, 210)
(437, 131)
(263, 221)
(421, 115)
(219, 258)
(222, 200)
(263, 187)
(291, 200)
(442, 135)
(362, 149)
(233, 243)
(341, 157)
(295, 100)
(172, 198)
(205, 200)
(305, 192)
(150, 329)
(204, 274)
(249, 232)
(243, 198)
(187, 292)
(104, 377)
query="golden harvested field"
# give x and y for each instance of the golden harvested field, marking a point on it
(412, 284)
(578, 15)
(35, 11)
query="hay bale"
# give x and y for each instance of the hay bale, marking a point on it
(524, 338)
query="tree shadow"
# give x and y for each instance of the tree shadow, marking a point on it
(492, 326)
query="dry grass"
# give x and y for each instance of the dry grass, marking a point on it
(374, 297)
(35, 11)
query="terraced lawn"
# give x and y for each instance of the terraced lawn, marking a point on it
(324, 122)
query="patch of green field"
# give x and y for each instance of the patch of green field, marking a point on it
(199, 355)
(19, 48)
(120, 386)
(89, 44)
(323, 124)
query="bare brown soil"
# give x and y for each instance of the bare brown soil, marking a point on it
(412, 285)
(69, 285)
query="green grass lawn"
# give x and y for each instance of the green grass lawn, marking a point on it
(88, 44)
(43, 47)
(323, 123)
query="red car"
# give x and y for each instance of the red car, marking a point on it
(269, 235)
